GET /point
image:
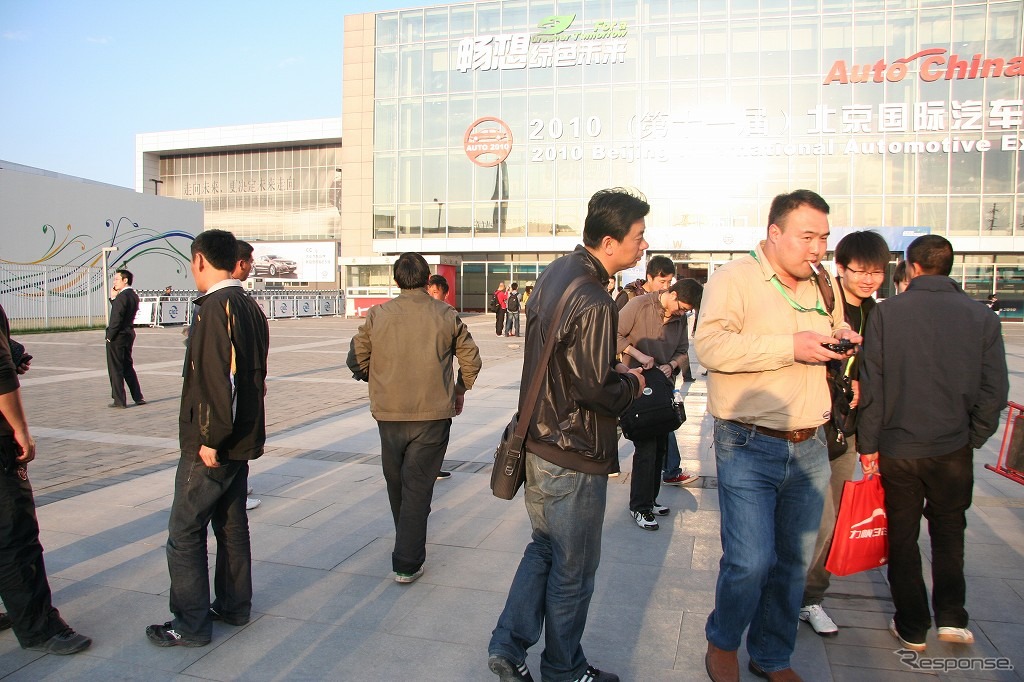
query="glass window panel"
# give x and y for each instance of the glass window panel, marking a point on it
(933, 28)
(965, 173)
(462, 21)
(514, 15)
(741, 9)
(435, 185)
(435, 68)
(655, 11)
(714, 51)
(775, 43)
(596, 10)
(486, 218)
(460, 177)
(869, 35)
(488, 18)
(627, 10)
(867, 211)
(568, 220)
(804, 33)
(836, 39)
(409, 179)
(684, 52)
(409, 221)
(899, 211)
(899, 172)
(997, 216)
(385, 124)
(460, 220)
(964, 215)
(629, 70)
(458, 81)
(540, 218)
(932, 173)
(460, 117)
(968, 28)
(656, 64)
(410, 113)
(624, 107)
(514, 223)
(435, 23)
(435, 122)
(931, 213)
(411, 70)
(514, 113)
(385, 78)
(387, 29)
(434, 218)
(998, 170)
(836, 175)
(410, 25)
(540, 10)
(597, 105)
(1004, 28)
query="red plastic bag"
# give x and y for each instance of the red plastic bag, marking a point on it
(861, 538)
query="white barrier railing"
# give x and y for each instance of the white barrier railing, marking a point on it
(49, 297)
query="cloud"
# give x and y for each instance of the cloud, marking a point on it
(289, 62)
(19, 36)
(98, 40)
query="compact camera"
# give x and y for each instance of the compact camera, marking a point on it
(843, 347)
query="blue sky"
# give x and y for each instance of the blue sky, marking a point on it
(80, 79)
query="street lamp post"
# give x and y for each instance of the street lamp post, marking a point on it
(156, 185)
(106, 288)
(439, 205)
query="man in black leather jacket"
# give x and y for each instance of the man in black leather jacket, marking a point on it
(572, 445)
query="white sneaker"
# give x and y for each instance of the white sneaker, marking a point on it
(913, 646)
(819, 620)
(406, 578)
(956, 635)
(251, 503)
(248, 491)
(660, 509)
(645, 520)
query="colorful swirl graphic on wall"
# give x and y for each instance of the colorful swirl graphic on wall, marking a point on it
(71, 256)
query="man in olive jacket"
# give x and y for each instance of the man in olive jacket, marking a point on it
(404, 350)
(221, 427)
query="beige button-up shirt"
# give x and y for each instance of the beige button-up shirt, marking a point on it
(745, 339)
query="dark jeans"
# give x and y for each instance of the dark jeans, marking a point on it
(644, 483)
(499, 322)
(411, 454)
(555, 579)
(23, 585)
(121, 370)
(203, 496)
(939, 488)
(671, 468)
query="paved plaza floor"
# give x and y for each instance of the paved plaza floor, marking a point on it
(325, 605)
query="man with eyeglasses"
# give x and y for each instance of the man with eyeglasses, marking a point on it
(861, 259)
(764, 318)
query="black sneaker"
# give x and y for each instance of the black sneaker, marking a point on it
(165, 635)
(63, 643)
(507, 671)
(230, 620)
(5, 622)
(592, 674)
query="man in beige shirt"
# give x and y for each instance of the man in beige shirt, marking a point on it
(763, 322)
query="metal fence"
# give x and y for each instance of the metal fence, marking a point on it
(159, 310)
(49, 297)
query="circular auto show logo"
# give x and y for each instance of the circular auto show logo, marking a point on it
(488, 141)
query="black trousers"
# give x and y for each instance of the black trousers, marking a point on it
(499, 322)
(121, 369)
(645, 481)
(411, 454)
(938, 488)
(23, 585)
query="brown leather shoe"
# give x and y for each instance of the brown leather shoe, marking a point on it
(722, 665)
(784, 675)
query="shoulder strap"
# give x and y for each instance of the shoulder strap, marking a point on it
(532, 393)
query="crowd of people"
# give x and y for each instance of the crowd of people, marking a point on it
(766, 327)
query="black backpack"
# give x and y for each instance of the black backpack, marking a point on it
(494, 306)
(512, 304)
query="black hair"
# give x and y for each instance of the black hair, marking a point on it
(611, 213)
(899, 275)
(219, 247)
(865, 247)
(659, 266)
(128, 277)
(438, 281)
(932, 253)
(514, 286)
(688, 291)
(411, 271)
(244, 250)
(784, 204)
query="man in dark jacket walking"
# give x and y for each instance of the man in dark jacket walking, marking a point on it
(933, 381)
(221, 428)
(571, 445)
(120, 335)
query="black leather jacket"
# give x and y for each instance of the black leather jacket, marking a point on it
(582, 395)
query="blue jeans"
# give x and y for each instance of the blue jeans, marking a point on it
(555, 580)
(671, 467)
(771, 493)
(203, 496)
(511, 323)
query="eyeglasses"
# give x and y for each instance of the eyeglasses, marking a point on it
(866, 274)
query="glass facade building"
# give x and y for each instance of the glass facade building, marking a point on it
(488, 125)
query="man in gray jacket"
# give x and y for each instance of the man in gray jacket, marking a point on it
(404, 350)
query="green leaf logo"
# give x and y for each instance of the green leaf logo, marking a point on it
(555, 24)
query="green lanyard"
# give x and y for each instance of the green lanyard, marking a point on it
(818, 308)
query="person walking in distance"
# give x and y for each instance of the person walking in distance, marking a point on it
(512, 308)
(499, 299)
(120, 335)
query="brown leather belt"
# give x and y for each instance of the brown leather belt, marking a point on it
(796, 436)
